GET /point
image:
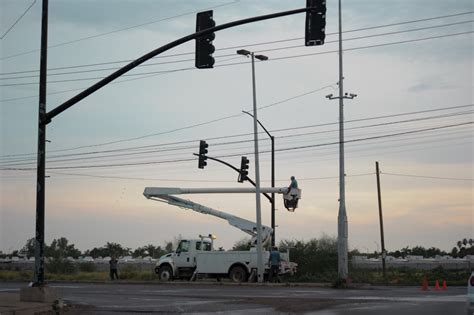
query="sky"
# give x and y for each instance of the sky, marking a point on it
(410, 62)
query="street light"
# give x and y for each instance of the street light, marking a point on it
(260, 267)
(342, 230)
(272, 138)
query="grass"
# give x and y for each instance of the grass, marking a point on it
(399, 276)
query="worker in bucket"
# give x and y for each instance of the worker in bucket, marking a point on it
(293, 184)
(274, 262)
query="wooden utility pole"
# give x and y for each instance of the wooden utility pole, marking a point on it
(380, 218)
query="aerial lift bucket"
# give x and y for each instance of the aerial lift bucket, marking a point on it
(290, 199)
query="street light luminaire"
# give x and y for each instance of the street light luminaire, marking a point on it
(243, 52)
(261, 57)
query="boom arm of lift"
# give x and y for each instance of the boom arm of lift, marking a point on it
(166, 194)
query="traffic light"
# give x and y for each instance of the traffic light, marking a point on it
(202, 154)
(315, 23)
(204, 46)
(244, 166)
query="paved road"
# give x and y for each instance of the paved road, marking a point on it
(202, 298)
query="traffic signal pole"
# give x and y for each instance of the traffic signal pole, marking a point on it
(238, 171)
(46, 117)
(75, 99)
(272, 138)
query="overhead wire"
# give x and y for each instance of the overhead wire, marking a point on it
(18, 20)
(254, 44)
(54, 158)
(429, 177)
(155, 73)
(233, 55)
(263, 151)
(118, 30)
(239, 63)
(272, 131)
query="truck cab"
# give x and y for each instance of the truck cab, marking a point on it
(181, 263)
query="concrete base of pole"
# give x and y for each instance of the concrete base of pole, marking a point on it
(41, 294)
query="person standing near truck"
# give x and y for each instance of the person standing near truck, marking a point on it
(274, 262)
(113, 268)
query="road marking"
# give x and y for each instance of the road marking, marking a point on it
(427, 298)
(10, 290)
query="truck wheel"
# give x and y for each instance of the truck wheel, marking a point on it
(165, 273)
(238, 274)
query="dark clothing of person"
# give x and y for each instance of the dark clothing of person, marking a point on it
(113, 269)
(274, 261)
(294, 183)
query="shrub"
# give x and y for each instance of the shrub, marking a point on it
(87, 267)
(60, 265)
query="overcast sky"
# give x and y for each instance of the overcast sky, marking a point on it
(409, 61)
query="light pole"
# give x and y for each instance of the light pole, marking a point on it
(342, 231)
(260, 267)
(272, 138)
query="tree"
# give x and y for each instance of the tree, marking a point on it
(317, 258)
(109, 249)
(169, 247)
(149, 250)
(242, 244)
(60, 248)
(454, 252)
(29, 249)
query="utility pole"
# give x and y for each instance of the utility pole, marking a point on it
(42, 121)
(382, 240)
(342, 230)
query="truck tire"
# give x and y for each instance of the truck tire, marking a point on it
(238, 274)
(165, 273)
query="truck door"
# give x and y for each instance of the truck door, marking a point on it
(183, 256)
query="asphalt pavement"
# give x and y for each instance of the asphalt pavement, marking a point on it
(227, 298)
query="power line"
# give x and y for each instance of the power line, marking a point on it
(52, 159)
(239, 63)
(263, 151)
(228, 55)
(17, 20)
(429, 177)
(247, 134)
(118, 30)
(195, 180)
(251, 45)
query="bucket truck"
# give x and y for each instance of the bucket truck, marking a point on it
(196, 257)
